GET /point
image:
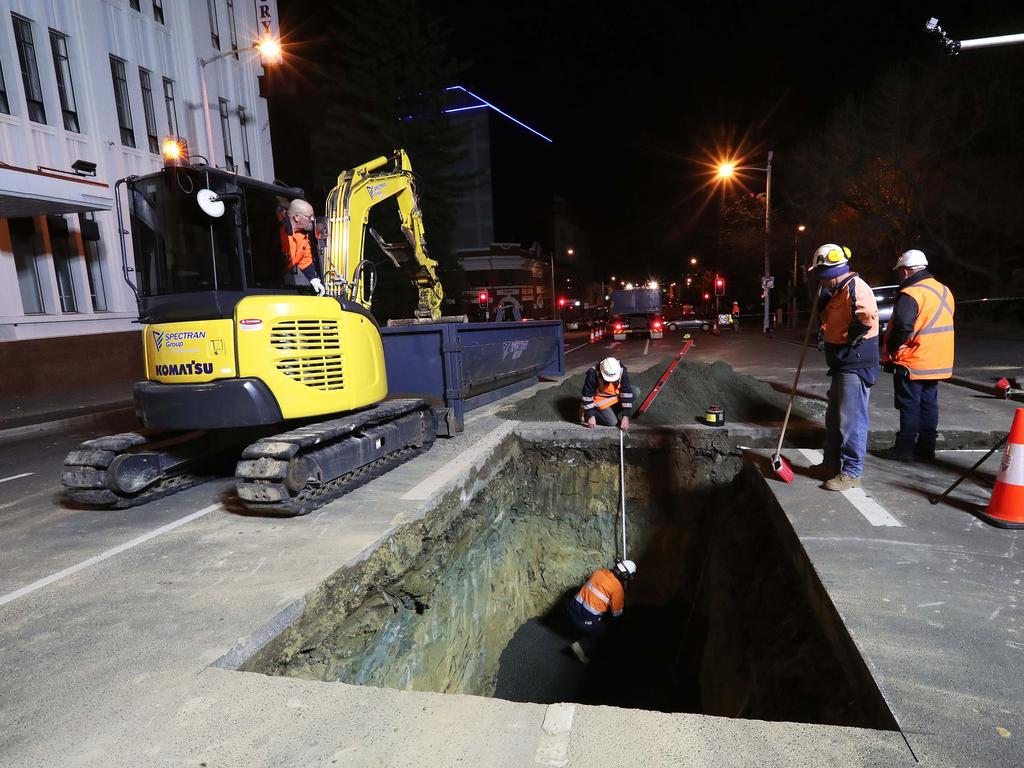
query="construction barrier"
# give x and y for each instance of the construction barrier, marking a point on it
(1006, 507)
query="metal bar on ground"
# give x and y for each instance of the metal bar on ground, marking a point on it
(664, 377)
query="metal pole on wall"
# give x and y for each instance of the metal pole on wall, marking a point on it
(767, 236)
(212, 159)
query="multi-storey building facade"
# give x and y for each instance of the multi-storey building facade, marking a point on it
(95, 86)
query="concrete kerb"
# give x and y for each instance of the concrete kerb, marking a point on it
(110, 417)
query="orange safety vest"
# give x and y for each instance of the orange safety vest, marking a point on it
(295, 246)
(843, 307)
(607, 393)
(928, 353)
(603, 591)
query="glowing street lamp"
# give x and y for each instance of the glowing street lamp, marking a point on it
(268, 48)
(726, 170)
(693, 262)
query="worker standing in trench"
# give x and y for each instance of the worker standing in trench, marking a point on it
(608, 396)
(603, 595)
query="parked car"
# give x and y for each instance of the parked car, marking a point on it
(885, 297)
(688, 322)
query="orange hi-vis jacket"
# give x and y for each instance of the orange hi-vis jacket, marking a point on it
(607, 393)
(603, 592)
(295, 247)
(928, 353)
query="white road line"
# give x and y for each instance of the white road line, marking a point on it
(458, 465)
(15, 477)
(554, 741)
(647, 345)
(873, 512)
(578, 346)
(11, 596)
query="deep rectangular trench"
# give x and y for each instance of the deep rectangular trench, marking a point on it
(726, 616)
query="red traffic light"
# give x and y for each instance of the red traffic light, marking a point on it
(707, 297)
(483, 297)
(562, 301)
(719, 286)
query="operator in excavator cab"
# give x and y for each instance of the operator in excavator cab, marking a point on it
(296, 222)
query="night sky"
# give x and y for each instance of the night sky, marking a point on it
(636, 95)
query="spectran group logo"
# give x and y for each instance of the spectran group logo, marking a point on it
(158, 339)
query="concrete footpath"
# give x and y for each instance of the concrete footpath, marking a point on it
(113, 661)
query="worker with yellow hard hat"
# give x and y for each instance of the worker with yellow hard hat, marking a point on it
(850, 325)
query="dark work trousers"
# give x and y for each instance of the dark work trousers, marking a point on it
(612, 415)
(918, 404)
(591, 628)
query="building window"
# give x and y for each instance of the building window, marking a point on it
(134, 5)
(172, 115)
(243, 121)
(211, 8)
(5, 105)
(65, 87)
(93, 261)
(124, 107)
(60, 246)
(147, 108)
(23, 243)
(225, 129)
(158, 10)
(232, 30)
(29, 68)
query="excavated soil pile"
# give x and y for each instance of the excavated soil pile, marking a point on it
(725, 617)
(691, 388)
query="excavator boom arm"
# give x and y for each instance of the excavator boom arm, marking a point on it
(348, 210)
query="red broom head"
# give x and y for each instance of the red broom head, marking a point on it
(782, 469)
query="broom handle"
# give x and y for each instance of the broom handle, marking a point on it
(799, 367)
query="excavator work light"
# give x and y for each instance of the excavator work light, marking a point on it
(175, 151)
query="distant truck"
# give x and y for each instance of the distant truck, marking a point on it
(636, 311)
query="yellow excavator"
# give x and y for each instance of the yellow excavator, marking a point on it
(237, 349)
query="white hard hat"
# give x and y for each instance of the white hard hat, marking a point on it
(625, 568)
(828, 257)
(610, 369)
(912, 258)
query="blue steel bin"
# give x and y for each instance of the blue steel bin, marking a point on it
(462, 366)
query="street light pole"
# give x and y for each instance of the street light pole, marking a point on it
(767, 236)
(553, 315)
(269, 50)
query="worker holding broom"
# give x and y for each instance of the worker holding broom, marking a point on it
(607, 395)
(850, 323)
(602, 596)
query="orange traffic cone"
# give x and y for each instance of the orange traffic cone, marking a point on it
(593, 336)
(1006, 507)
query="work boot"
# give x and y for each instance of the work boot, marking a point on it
(842, 482)
(894, 454)
(579, 653)
(924, 452)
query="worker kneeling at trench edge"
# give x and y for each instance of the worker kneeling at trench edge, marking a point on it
(608, 396)
(602, 595)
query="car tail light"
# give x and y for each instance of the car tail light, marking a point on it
(618, 326)
(656, 324)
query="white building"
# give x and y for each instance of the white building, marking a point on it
(104, 81)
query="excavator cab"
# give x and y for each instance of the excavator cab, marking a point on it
(195, 254)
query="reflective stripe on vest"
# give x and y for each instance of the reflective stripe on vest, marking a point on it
(607, 393)
(928, 353)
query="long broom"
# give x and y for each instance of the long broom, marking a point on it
(780, 466)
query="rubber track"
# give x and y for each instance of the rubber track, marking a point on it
(317, 435)
(85, 483)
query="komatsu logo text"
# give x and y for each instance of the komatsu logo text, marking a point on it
(176, 339)
(191, 368)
